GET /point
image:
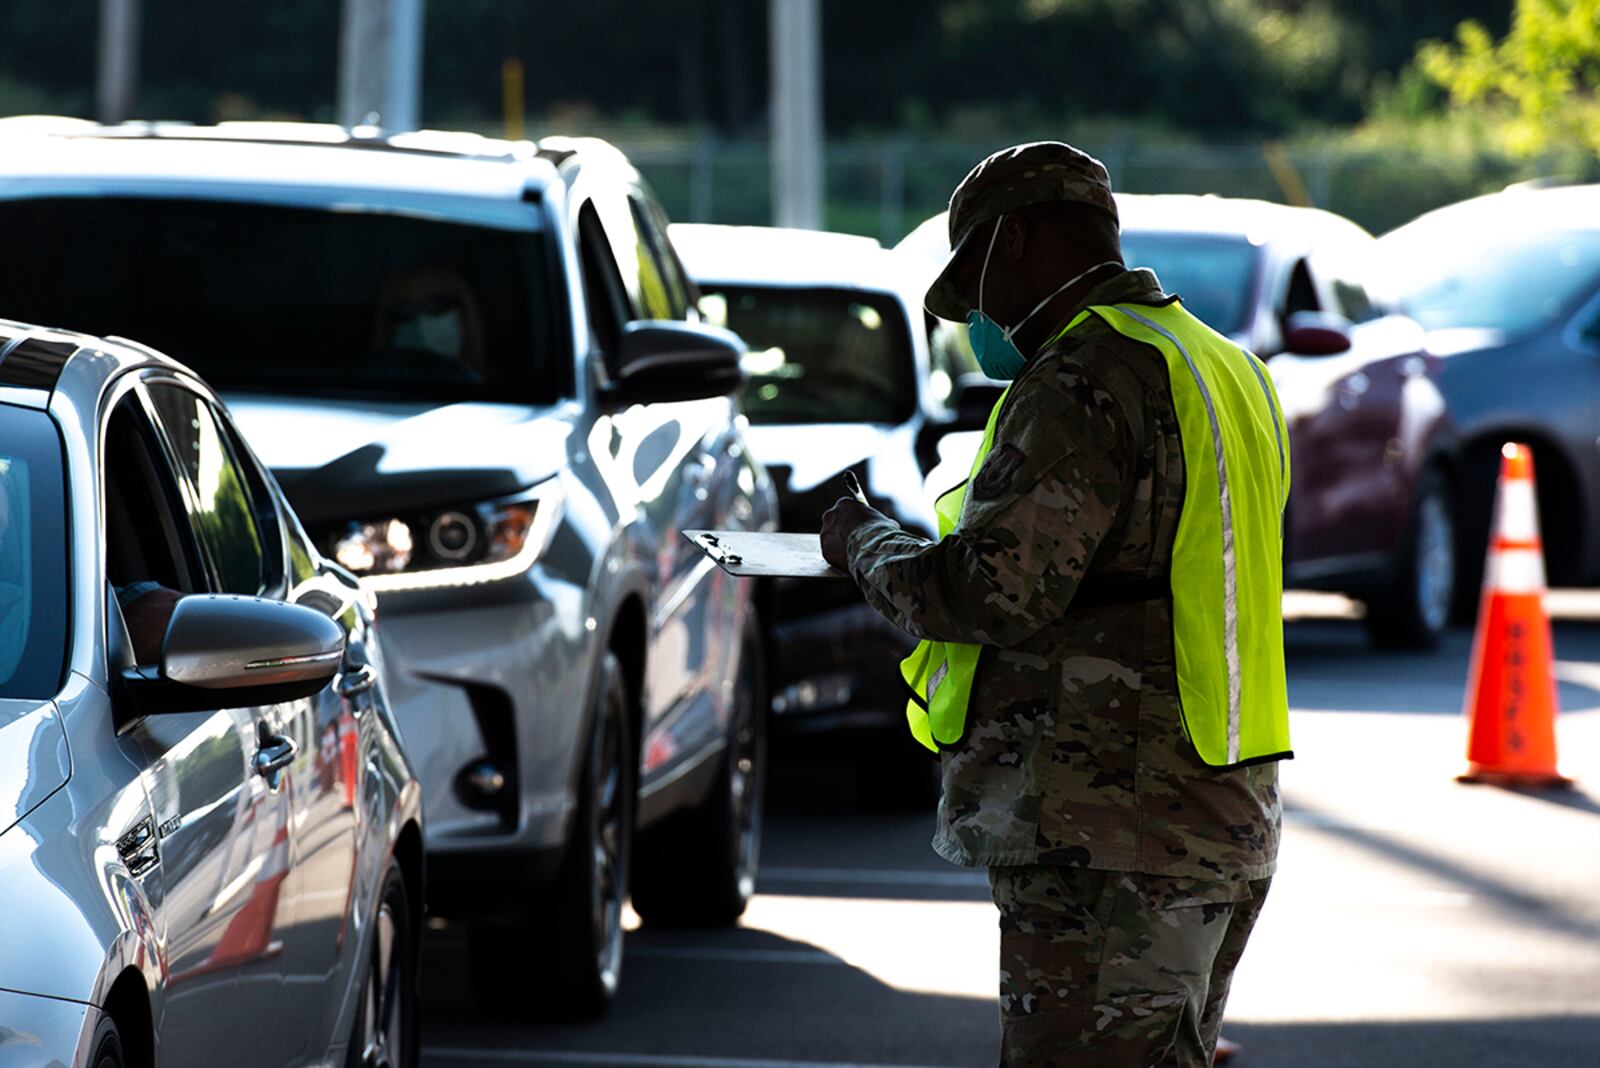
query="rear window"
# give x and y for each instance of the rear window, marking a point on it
(1214, 274)
(338, 298)
(819, 355)
(33, 556)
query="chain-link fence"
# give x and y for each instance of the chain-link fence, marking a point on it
(885, 188)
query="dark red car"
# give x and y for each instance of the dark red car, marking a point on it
(1373, 503)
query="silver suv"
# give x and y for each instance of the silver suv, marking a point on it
(475, 368)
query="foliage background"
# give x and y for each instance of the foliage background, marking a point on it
(1178, 95)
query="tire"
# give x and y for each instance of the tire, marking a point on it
(1414, 610)
(106, 1045)
(385, 1034)
(698, 867)
(561, 959)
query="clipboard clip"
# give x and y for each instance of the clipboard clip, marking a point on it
(712, 546)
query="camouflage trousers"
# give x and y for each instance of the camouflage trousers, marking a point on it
(1116, 969)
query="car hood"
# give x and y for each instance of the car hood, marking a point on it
(34, 762)
(338, 459)
(1453, 341)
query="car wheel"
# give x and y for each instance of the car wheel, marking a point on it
(562, 958)
(698, 867)
(106, 1045)
(385, 1033)
(1414, 611)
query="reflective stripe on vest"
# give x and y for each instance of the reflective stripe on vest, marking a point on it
(1227, 559)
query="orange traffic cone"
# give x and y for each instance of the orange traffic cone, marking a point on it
(1511, 693)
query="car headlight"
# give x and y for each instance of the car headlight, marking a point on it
(446, 547)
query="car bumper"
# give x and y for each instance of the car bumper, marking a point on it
(40, 1032)
(837, 669)
(493, 673)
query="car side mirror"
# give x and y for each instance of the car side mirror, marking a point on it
(975, 396)
(222, 651)
(673, 361)
(1310, 333)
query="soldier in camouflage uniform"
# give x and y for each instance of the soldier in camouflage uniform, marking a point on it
(1127, 872)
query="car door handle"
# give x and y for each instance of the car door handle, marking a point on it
(357, 681)
(274, 753)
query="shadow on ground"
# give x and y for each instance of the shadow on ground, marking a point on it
(742, 996)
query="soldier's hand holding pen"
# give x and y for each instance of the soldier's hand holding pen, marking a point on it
(840, 521)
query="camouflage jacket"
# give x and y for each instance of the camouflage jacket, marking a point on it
(1075, 752)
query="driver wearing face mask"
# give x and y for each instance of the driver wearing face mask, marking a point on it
(431, 311)
(1101, 666)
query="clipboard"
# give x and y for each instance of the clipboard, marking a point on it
(765, 554)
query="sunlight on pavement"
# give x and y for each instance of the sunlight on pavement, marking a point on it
(921, 947)
(1404, 895)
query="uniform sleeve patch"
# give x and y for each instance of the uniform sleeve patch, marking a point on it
(999, 469)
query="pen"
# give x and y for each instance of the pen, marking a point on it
(853, 484)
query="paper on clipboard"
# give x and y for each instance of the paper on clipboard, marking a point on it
(765, 554)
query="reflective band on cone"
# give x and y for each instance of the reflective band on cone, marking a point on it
(1511, 692)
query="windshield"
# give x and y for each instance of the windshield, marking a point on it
(819, 355)
(1212, 273)
(340, 299)
(1448, 275)
(33, 556)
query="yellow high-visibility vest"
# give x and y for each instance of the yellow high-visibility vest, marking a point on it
(1226, 579)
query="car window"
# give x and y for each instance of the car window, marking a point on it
(33, 556)
(149, 545)
(652, 228)
(221, 505)
(1302, 292)
(1344, 270)
(1213, 273)
(146, 537)
(347, 298)
(819, 355)
(603, 290)
(949, 357)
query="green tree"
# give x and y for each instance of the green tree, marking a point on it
(1542, 79)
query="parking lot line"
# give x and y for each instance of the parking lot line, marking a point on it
(876, 877)
(743, 956)
(634, 1060)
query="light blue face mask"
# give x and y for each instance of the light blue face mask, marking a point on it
(998, 356)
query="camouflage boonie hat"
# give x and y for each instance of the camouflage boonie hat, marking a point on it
(1014, 178)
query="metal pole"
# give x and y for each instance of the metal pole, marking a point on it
(702, 175)
(380, 64)
(796, 112)
(117, 80)
(892, 191)
(511, 97)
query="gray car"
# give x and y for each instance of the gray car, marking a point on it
(1508, 287)
(207, 824)
(476, 370)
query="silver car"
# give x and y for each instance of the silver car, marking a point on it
(207, 825)
(476, 370)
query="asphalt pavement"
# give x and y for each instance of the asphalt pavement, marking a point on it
(1414, 920)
